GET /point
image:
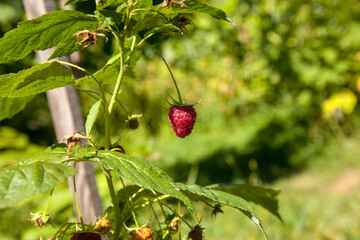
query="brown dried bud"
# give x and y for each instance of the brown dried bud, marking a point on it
(174, 225)
(72, 140)
(88, 37)
(39, 219)
(166, 3)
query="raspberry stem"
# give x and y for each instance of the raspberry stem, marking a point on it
(160, 203)
(178, 215)
(101, 87)
(118, 80)
(77, 202)
(172, 76)
(113, 199)
(48, 203)
(156, 217)
(130, 203)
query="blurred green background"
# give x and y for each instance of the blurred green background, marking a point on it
(279, 108)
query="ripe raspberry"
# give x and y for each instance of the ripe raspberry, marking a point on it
(182, 120)
(85, 236)
(102, 225)
(144, 233)
(196, 233)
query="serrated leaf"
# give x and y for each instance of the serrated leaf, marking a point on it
(264, 197)
(18, 182)
(122, 8)
(162, 28)
(147, 20)
(45, 32)
(108, 17)
(143, 174)
(109, 73)
(105, 3)
(69, 2)
(35, 80)
(66, 48)
(53, 154)
(196, 192)
(144, 4)
(91, 117)
(194, 7)
(11, 106)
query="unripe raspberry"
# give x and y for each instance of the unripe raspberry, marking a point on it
(144, 233)
(182, 120)
(102, 225)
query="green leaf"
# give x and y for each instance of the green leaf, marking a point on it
(37, 79)
(108, 17)
(196, 192)
(264, 197)
(18, 182)
(54, 154)
(91, 117)
(68, 2)
(147, 20)
(109, 73)
(162, 28)
(66, 48)
(105, 3)
(45, 32)
(194, 7)
(11, 106)
(143, 174)
(144, 4)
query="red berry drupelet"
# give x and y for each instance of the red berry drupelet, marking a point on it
(182, 120)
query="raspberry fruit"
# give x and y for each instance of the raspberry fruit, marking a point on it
(196, 233)
(144, 233)
(85, 236)
(182, 120)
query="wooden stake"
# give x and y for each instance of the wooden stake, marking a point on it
(67, 118)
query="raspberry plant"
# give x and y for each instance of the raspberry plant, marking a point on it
(133, 24)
